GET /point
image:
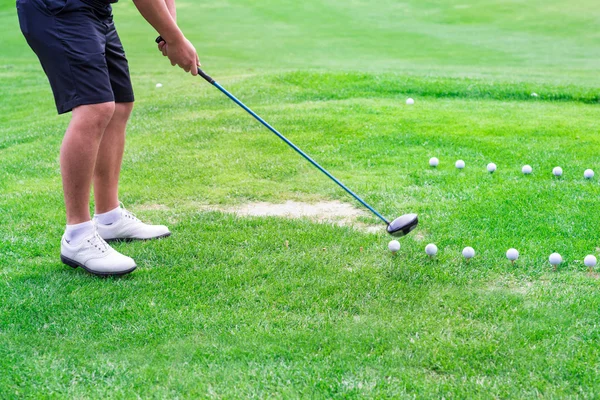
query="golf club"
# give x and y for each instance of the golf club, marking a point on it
(398, 227)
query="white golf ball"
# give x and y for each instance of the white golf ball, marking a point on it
(431, 249)
(410, 101)
(590, 261)
(527, 169)
(557, 171)
(491, 167)
(394, 246)
(468, 252)
(555, 259)
(434, 162)
(159, 85)
(534, 94)
(588, 174)
(460, 164)
(512, 254)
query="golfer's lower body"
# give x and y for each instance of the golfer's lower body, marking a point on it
(81, 53)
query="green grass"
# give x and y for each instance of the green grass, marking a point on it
(223, 309)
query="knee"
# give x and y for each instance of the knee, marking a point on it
(95, 117)
(122, 111)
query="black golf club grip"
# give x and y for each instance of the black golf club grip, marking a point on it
(203, 74)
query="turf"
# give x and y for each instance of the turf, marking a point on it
(223, 309)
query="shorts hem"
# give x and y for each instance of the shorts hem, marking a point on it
(130, 98)
(69, 106)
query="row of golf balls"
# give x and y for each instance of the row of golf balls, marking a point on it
(512, 254)
(491, 167)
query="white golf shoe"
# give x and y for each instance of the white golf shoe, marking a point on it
(95, 256)
(128, 228)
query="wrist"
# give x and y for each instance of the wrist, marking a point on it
(173, 37)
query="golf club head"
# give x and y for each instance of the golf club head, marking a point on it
(402, 226)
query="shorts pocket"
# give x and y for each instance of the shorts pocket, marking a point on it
(55, 7)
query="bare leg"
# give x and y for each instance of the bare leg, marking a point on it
(108, 163)
(78, 157)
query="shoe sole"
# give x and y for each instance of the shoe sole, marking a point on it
(113, 240)
(75, 264)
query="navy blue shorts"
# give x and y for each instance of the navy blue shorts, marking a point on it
(79, 49)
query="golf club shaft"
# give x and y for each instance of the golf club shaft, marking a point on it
(289, 143)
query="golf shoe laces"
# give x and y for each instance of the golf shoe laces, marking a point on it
(98, 243)
(128, 214)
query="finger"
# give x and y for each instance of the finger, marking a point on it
(198, 61)
(194, 71)
(164, 51)
(173, 63)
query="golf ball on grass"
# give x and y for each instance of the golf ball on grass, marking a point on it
(410, 101)
(555, 259)
(434, 162)
(468, 252)
(394, 246)
(557, 171)
(588, 174)
(527, 169)
(590, 261)
(431, 249)
(491, 167)
(460, 164)
(159, 85)
(512, 254)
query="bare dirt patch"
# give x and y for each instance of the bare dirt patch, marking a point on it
(329, 212)
(152, 207)
(522, 288)
(326, 212)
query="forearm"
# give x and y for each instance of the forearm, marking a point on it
(158, 14)
(172, 9)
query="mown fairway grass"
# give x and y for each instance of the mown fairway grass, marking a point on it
(223, 309)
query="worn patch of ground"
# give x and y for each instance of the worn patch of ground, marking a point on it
(328, 212)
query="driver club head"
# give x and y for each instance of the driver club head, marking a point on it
(402, 226)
